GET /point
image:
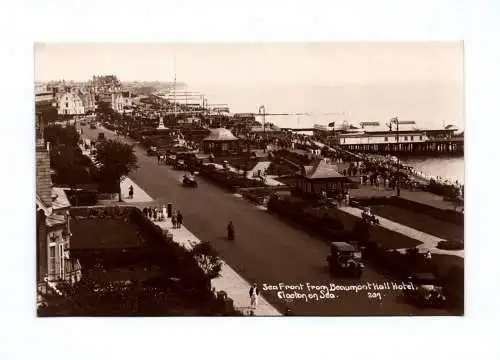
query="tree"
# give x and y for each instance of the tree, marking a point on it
(208, 259)
(58, 135)
(116, 160)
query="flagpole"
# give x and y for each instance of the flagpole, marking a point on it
(398, 186)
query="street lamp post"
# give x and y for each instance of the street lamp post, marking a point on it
(262, 111)
(398, 186)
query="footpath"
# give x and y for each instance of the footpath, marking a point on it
(262, 167)
(428, 241)
(230, 281)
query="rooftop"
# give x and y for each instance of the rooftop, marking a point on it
(320, 169)
(220, 134)
(59, 199)
(43, 177)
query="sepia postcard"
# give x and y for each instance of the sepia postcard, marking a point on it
(249, 179)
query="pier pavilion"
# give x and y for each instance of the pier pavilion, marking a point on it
(409, 140)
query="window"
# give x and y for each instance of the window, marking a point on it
(66, 104)
(386, 139)
(411, 138)
(420, 137)
(406, 138)
(52, 260)
(224, 146)
(61, 261)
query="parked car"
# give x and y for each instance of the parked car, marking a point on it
(426, 291)
(189, 181)
(344, 259)
(180, 165)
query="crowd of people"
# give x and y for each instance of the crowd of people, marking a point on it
(156, 214)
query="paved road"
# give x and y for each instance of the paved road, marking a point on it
(267, 250)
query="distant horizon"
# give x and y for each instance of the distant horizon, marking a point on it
(421, 81)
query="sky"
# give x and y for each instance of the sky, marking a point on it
(202, 63)
(422, 81)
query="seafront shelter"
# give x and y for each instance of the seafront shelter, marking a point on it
(220, 141)
(320, 176)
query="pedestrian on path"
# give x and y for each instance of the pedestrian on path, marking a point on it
(164, 211)
(131, 192)
(254, 296)
(174, 221)
(179, 219)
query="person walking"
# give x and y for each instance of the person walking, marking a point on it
(254, 296)
(174, 221)
(179, 219)
(131, 192)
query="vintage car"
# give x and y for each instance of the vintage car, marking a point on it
(189, 181)
(180, 165)
(93, 125)
(101, 137)
(425, 290)
(344, 259)
(171, 159)
(152, 151)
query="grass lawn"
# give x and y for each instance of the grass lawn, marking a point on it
(103, 233)
(421, 221)
(446, 262)
(386, 238)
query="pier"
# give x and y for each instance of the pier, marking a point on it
(436, 146)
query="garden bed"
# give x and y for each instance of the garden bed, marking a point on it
(280, 167)
(259, 196)
(131, 267)
(228, 179)
(421, 221)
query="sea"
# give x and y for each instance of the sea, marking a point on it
(429, 104)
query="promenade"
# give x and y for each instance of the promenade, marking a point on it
(229, 281)
(267, 249)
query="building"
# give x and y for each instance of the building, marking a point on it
(407, 137)
(122, 102)
(53, 235)
(45, 105)
(220, 141)
(70, 103)
(320, 176)
(105, 84)
(88, 100)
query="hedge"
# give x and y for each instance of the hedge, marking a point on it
(445, 215)
(162, 250)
